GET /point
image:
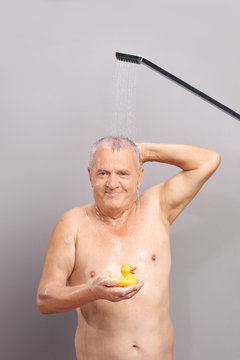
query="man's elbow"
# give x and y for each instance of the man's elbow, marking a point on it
(41, 301)
(213, 162)
(216, 160)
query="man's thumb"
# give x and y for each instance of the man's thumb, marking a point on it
(110, 282)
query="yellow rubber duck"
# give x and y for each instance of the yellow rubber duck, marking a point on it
(127, 278)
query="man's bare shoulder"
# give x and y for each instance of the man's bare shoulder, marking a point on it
(76, 214)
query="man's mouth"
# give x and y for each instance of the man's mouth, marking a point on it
(110, 193)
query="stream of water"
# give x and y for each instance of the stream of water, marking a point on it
(123, 120)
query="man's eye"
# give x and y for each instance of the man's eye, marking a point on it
(123, 173)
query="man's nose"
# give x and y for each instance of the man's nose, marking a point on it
(112, 181)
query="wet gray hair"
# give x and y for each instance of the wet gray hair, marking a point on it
(117, 143)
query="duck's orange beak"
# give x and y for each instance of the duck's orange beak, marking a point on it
(132, 270)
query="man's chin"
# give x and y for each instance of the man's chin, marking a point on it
(114, 203)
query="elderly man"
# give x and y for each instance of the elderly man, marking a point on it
(91, 241)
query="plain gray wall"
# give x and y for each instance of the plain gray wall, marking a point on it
(57, 67)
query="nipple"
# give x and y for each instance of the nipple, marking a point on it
(92, 274)
(153, 257)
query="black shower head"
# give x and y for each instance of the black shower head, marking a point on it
(129, 58)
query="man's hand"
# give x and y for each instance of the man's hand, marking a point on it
(141, 152)
(104, 288)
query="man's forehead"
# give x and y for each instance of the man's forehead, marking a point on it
(108, 156)
(103, 151)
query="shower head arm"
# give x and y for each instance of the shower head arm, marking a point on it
(140, 60)
(191, 88)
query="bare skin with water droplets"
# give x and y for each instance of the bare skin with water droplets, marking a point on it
(93, 241)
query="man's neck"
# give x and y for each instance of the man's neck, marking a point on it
(114, 216)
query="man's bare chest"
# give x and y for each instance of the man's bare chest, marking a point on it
(101, 251)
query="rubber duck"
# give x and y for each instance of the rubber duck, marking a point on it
(127, 278)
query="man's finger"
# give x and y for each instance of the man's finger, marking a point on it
(110, 282)
(124, 291)
(134, 287)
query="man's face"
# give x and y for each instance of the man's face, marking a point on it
(115, 177)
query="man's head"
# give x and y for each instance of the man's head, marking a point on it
(116, 143)
(115, 172)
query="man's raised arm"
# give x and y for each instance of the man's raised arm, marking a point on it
(197, 164)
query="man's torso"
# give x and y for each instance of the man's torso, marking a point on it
(140, 327)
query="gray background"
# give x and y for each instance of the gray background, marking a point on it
(57, 66)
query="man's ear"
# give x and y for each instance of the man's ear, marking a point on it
(141, 172)
(89, 174)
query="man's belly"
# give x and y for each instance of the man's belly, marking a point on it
(124, 330)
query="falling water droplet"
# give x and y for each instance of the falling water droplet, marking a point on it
(123, 118)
